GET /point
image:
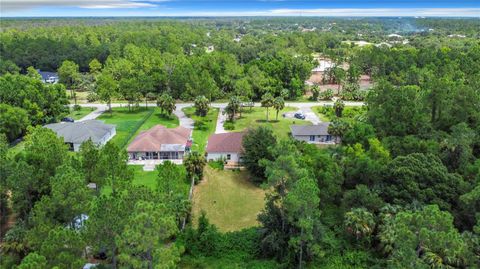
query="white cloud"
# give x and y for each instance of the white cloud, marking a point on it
(19, 5)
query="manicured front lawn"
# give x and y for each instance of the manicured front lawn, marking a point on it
(127, 122)
(230, 201)
(257, 116)
(78, 114)
(203, 127)
(130, 123)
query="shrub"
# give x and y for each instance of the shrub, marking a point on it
(217, 164)
(77, 107)
(326, 95)
(92, 97)
(228, 125)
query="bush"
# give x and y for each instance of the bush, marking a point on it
(77, 107)
(92, 97)
(217, 164)
(326, 95)
(228, 125)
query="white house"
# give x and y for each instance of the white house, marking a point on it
(75, 133)
(226, 146)
(48, 77)
(314, 134)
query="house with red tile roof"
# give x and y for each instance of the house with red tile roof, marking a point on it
(227, 146)
(161, 143)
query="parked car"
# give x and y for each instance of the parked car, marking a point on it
(299, 115)
(67, 119)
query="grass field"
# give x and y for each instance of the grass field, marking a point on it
(230, 201)
(257, 117)
(78, 114)
(204, 127)
(130, 123)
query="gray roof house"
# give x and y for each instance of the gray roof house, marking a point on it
(75, 133)
(314, 134)
(48, 77)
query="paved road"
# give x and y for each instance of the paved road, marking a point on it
(304, 107)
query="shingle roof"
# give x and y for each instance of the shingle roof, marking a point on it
(227, 142)
(317, 129)
(160, 138)
(46, 75)
(79, 132)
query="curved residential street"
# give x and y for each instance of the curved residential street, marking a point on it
(304, 107)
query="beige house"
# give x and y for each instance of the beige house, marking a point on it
(226, 146)
(161, 143)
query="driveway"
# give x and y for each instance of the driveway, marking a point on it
(182, 118)
(94, 114)
(309, 115)
(222, 117)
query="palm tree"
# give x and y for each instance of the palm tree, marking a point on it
(278, 104)
(232, 107)
(338, 106)
(267, 101)
(337, 128)
(201, 104)
(166, 103)
(359, 222)
(194, 163)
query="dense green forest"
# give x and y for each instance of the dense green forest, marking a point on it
(401, 190)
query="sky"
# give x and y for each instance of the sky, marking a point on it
(87, 8)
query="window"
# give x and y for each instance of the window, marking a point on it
(312, 138)
(229, 157)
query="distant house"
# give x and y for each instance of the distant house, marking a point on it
(315, 134)
(161, 143)
(75, 133)
(48, 77)
(227, 146)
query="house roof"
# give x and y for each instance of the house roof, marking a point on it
(227, 142)
(46, 75)
(161, 138)
(317, 129)
(81, 131)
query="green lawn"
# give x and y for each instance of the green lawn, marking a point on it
(318, 111)
(204, 127)
(145, 178)
(130, 123)
(327, 113)
(257, 117)
(78, 114)
(230, 201)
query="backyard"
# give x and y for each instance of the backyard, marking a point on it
(204, 127)
(257, 116)
(230, 201)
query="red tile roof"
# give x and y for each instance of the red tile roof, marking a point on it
(153, 139)
(227, 142)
